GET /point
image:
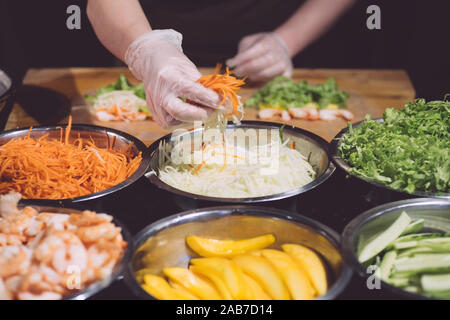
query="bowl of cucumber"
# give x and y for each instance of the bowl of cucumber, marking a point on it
(402, 248)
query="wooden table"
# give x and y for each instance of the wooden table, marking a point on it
(371, 91)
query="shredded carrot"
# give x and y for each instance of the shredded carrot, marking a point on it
(292, 145)
(225, 85)
(43, 168)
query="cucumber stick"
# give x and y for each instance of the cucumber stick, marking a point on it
(424, 262)
(436, 282)
(386, 265)
(382, 239)
(413, 227)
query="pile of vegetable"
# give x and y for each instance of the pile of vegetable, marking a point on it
(285, 93)
(120, 101)
(409, 151)
(242, 270)
(409, 258)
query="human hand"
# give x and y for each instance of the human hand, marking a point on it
(157, 58)
(261, 57)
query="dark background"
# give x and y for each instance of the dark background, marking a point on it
(414, 36)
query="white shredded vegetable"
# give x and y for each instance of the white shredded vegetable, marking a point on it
(125, 105)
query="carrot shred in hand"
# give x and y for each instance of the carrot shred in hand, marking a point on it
(45, 168)
(225, 85)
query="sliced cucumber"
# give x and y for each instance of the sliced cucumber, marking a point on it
(412, 251)
(386, 265)
(382, 239)
(436, 282)
(413, 227)
(423, 263)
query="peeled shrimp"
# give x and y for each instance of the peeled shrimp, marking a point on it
(333, 114)
(14, 260)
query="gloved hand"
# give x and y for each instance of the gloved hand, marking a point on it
(157, 58)
(261, 57)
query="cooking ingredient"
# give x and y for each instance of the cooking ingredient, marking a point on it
(47, 255)
(265, 274)
(207, 247)
(294, 278)
(41, 168)
(311, 263)
(119, 101)
(229, 171)
(256, 292)
(160, 289)
(409, 151)
(300, 100)
(380, 239)
(418, 262)
(199, 286)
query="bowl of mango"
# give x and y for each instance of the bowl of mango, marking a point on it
(237, 253)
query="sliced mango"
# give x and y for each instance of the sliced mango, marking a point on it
(256, 292)
(181, 291)
(228, 271)
(207, 247)
(311, 263)
(262, 271)
(199, 286)
(160, 289)
(139, 275)
(210, 274)
(294, 278)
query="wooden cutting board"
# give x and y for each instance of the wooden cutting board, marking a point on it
(371, 91)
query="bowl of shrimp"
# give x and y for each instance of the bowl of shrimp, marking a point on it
(51, 253)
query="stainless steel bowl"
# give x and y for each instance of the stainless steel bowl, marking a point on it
(310, 145)
(6, 98)
(103, 137)
(118, 270)
(341, 164)
(162, 244)
(435, 212)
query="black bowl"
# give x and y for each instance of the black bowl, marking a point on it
(166, 246)
(435, 212)
(312, 146)
(379, 192)
(102, 137)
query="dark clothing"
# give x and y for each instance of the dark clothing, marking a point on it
(212, 29)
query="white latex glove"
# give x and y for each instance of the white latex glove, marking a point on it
(261, 57)
(157, 59)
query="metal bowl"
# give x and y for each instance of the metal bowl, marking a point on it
(435, 212)
(118, 270)
(102, 137)
(162, 243)
(310, 145)
(6, 98)
(341, 164)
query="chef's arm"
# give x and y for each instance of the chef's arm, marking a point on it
(117, 23)
(310, 21)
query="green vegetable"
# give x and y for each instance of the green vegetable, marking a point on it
(409, 151)
(415, 226)
(121, 84)
(425, 262)
(438, 285)
(378, 241)
(285, 93)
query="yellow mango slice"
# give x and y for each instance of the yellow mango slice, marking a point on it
(180, 289)
(262, 271)
(255, 290)
(139, 275)
(311, 263)
(228, 271)
(158, 287)
(199, 286)
(207, 247)
(294, 278)
(210, 274)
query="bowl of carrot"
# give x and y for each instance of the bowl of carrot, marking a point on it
(59, 165)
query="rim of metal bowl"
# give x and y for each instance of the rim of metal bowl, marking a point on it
(9, 85)
(140, 171)
(336, 289)
(348, 248)
(335, 156)
(154, 179)
(118, 271)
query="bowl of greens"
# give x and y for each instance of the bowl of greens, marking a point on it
(407, 151)
(402, 248)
